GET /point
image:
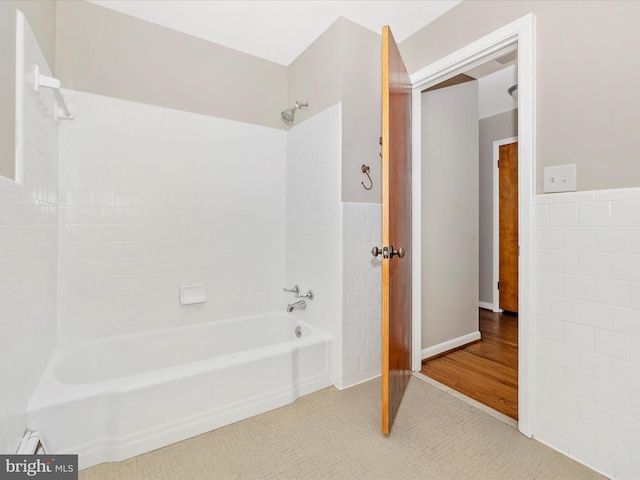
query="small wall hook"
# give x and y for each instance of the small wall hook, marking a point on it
(365, 170)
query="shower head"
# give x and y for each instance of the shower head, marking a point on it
(289, 114)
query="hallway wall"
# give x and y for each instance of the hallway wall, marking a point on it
(449, 217)
(497, 127)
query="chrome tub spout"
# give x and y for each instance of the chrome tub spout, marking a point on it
(299, 305)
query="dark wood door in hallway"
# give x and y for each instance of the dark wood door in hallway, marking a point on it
(487, 370)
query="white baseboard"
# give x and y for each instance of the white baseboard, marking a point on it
(489, 306)
(450, 345)
(344, 387)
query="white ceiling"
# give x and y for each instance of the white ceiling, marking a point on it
(278, 31)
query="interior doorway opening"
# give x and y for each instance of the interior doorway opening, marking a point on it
(469, 214)
(517, 34)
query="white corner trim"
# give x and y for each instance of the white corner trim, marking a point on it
(450, 345)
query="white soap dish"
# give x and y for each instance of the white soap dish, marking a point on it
(190, 294)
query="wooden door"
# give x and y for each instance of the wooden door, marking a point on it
(508, 226)
(396, 229)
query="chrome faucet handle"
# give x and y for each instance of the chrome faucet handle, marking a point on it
(308, 295)
(295, 289)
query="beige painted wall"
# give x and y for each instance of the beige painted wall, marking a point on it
(586, 80)
(108, 53)
(315, 75)
(343, 64)
(41, 16)
(361, 113)
(128, 58)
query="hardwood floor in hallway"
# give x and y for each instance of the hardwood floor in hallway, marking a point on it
(487, 370)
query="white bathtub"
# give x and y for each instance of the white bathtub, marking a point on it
(114, 398)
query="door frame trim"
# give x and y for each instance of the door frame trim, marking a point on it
(520, 32)
(496, 219)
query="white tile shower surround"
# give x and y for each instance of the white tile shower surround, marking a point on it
(128, 239)
(153, 198)
(28, 264)
(362, 231)
(327, 246)
(587, 328)
(314, 253)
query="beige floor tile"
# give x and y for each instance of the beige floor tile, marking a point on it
(335, 434)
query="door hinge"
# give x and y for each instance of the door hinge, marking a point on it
(498, 285)
(498, 162)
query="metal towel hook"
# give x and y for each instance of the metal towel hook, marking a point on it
(365, 170)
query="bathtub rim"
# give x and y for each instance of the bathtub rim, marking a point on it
(62, 392)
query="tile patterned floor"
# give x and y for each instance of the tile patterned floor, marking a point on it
(335, 434)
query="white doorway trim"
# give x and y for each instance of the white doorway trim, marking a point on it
(496, 219)
(520, 32)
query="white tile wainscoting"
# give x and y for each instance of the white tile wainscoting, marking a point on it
(363, 293)
(587, 327)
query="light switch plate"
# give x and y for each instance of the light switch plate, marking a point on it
(561, 178)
